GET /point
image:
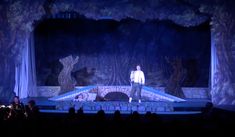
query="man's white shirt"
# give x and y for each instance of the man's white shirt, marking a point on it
(139, 77)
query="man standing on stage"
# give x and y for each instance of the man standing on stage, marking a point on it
(138, 82)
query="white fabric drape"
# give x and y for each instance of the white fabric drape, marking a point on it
(25, 72)
(214, 61)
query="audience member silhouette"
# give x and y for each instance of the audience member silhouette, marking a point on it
(17, 109)
(32, 111)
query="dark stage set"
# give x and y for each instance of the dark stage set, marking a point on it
(74, 59)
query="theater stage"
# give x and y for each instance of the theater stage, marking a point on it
(111, 98)
(192, 106)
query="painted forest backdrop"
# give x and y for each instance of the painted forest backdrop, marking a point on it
(108, 50)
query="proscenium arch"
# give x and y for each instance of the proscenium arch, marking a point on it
(53, 8)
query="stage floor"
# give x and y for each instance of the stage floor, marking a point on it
(190, 106)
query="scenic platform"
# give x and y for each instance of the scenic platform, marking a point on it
(111, 98)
